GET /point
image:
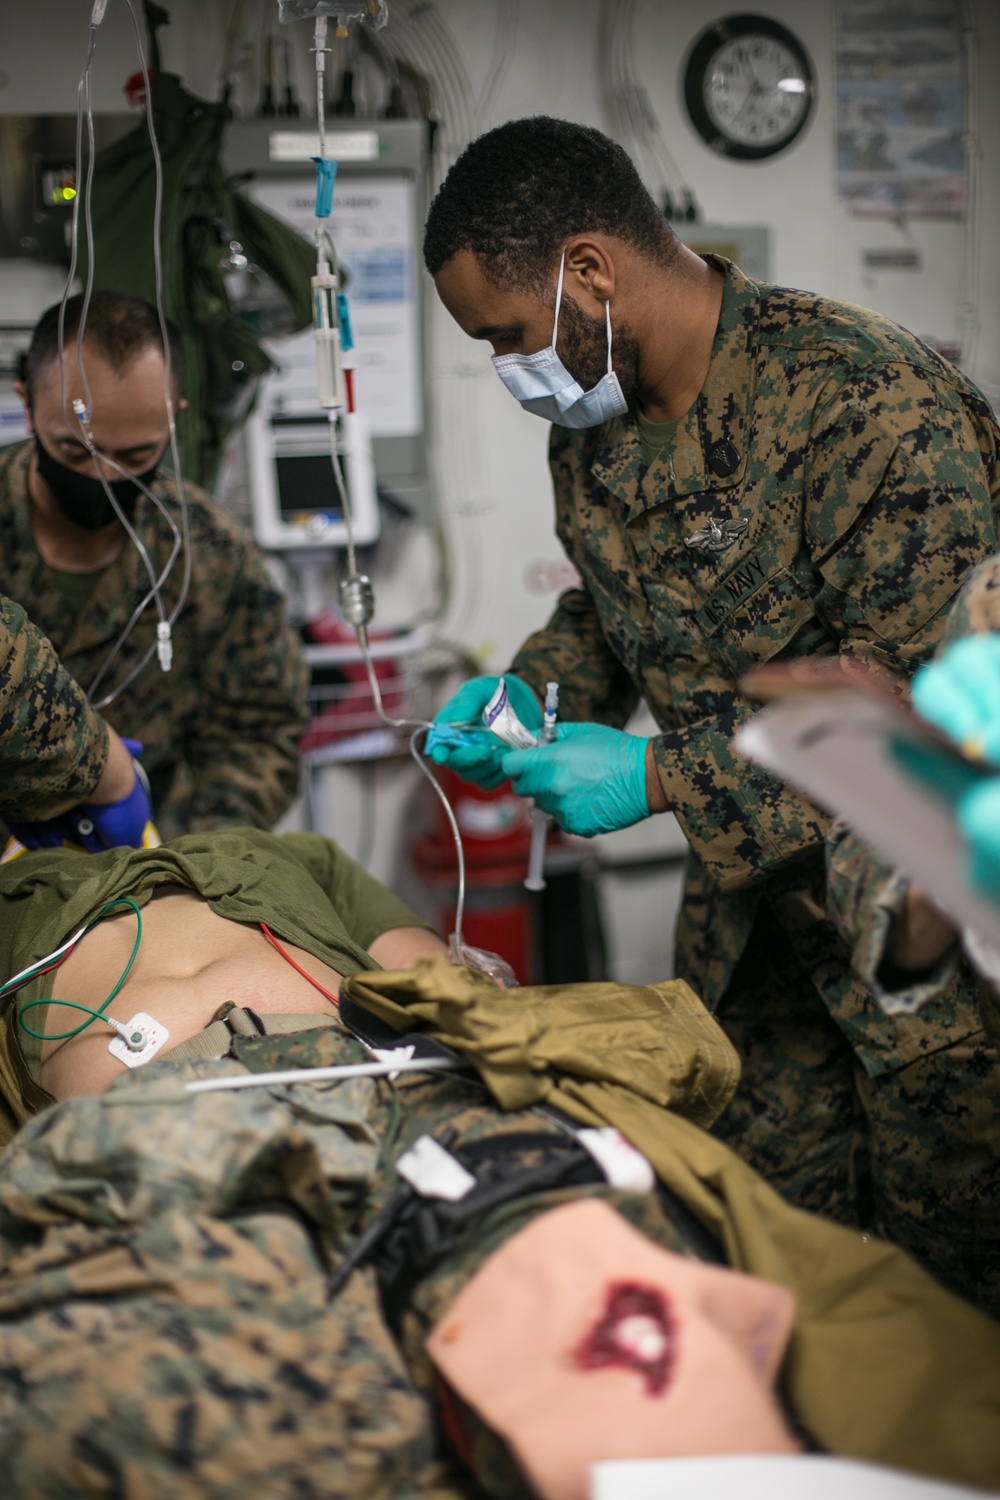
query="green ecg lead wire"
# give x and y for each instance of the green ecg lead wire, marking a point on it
(92, 1015)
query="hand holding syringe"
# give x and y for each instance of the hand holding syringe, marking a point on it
(535, 878)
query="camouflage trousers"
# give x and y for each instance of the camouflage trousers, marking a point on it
(166, 1331)
(909, 1153)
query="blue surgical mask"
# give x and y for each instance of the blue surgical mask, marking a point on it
(543, 385)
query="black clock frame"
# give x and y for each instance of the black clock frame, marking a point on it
(696, 68)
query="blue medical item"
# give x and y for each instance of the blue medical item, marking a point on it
(592, 780)
(475, 754)
(979, 820)
(960, 693)
(344, 320)
(96, 827)
(326, 176)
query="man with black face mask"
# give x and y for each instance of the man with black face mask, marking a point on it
(219, 728)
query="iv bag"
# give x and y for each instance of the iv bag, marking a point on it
(373, 13)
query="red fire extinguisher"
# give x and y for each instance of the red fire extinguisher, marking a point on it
(500, 915)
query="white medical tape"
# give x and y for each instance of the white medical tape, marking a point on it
(433, 1172)
(625, 1168)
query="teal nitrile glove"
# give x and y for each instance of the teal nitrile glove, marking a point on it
(979, 820)
(960, 693)
(474, 753)
(591, 780)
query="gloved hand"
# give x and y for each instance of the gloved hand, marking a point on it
(476, 754)
(979, 820)
(591, 780)
(960, 693)
(95, 826)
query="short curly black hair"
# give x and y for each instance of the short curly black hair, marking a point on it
(520, 191)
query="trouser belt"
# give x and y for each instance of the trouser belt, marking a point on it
(231, 1021)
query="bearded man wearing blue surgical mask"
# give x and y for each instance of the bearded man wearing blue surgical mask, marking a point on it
(742, 472)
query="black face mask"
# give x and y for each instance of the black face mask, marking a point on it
(82, 498)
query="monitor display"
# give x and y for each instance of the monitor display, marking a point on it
(306, 485)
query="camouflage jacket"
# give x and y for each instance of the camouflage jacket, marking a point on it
(866, 894)
(219, 729)
(830, 490)
(53, 746)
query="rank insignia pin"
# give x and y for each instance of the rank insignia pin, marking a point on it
(715, 537)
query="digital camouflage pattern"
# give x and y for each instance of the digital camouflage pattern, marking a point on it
(165, 1331)
(164, 1325)
(866, 894)
(220, 728)
(868, 471)
(53, 746)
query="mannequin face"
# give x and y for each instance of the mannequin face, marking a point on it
(579, 1340)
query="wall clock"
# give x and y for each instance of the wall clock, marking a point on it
(748, 86)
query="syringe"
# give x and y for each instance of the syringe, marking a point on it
(535, 879)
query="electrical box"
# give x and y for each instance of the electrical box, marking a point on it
(749, 245)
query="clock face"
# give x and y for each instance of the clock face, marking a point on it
(748, 86)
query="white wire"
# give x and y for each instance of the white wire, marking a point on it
(175, 457)
(504, 35)
(181, 537)
(40, 963)
(233, 1081)
(81, 94)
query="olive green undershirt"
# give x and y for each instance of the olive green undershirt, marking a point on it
(654, 435)
(76, 588)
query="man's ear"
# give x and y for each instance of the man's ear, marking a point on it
(589, 263)
(22, 391)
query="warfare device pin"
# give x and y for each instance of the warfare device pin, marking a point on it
(716, 538)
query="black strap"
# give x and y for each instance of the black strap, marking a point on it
(375, 1032)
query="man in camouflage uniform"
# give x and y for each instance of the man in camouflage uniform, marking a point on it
(791, 476)
(56, 753)
(219, 728)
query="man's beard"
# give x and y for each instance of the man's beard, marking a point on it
(582, 345)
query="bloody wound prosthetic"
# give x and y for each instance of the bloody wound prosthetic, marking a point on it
(636, 1331)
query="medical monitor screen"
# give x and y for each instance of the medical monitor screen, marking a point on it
(306, 486)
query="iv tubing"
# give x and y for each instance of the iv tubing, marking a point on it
(418, 726)
(181, 536)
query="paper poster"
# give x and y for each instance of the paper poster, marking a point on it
(372, 228)
(901, 108)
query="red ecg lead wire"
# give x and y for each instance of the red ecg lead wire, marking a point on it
(297, 967)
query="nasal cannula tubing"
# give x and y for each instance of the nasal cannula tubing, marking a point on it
(82, 409)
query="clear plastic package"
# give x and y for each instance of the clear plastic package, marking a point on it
(500, 718)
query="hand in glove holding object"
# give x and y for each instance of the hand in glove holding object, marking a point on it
(591, 780)
(960, 693)
(474, 753)
(121, 818)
